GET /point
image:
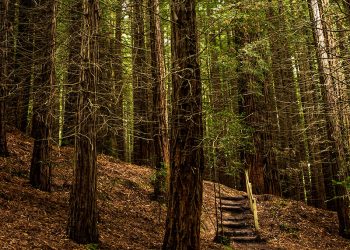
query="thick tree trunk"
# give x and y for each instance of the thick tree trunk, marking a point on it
(159, 114)
(4, 8)
(40, 169)
(82, 222)
(187, 160)
(141, 135)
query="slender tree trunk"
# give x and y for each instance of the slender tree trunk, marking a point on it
(72, 72)
(24, 61)
(119, 92)
(159, 114)
(82, 222)
(187, 161)
(40, 170)
(141, 136)
(331, 100)
(4, 8)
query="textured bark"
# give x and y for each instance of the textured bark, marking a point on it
(24, 61)
(4, 8)
(72, 73)
(82, 222)
(119, 95)
(289, 145)
(141, 135)
(45, 18)
(159, 115)
(331, 100)
(186, 155)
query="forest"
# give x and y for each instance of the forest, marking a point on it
(149, 124)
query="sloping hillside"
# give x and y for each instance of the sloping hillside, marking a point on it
(128, 219)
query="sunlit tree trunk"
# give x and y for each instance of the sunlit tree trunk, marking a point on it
(331, 100)
(182, 229)
(82, 222)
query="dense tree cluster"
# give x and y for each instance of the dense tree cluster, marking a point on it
(179, 85)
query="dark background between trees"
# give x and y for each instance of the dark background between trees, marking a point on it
(229, 85)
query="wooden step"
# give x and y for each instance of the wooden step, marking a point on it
(236, 225)
(243, 217)
(246, 239)
(240, 232)
(233, 209)
(233, 198)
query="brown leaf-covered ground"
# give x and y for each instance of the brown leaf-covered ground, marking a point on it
(128, 218)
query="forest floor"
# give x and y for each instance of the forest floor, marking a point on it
(128, 218)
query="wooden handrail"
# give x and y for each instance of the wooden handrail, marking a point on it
(252, 200)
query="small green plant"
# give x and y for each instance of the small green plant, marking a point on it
(92, 246)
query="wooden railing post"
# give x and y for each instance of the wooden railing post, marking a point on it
(252, 200)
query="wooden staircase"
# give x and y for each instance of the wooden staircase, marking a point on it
(236, 221)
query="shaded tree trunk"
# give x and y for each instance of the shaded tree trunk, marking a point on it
(82, 222)
(182, 229)
(24, 61)
(4, 8)
(141, 135)
(118, 89)
(72, 73)
(159, 115)
(40, 169)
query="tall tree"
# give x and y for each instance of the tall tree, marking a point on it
(24, 61)
(82, 222)
(187, 161)
(159, 114)
(331, 101)
(40, 169)
(141, 135)
(4, 8)
(72, 71)
(118, 87)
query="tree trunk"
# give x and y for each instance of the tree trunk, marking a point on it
(82, 222)
(141, 136)
(40, 169)
(331, 100)
(24, 61)
(159, 114)
(72, 73)
(4, 7)
(187, 161)
(119, 92)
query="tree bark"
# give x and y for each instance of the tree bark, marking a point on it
(331, 100)
(4, 8)
(71, 88)
(82, 222)
(119, 92)
(141, 135)
(159, 114)
(187, 161)
(40, 169)
(24, 61)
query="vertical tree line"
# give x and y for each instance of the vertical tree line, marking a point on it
(260, 85)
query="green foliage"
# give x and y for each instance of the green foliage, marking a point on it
(345, 183)
(160, 176)
(92, 246)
